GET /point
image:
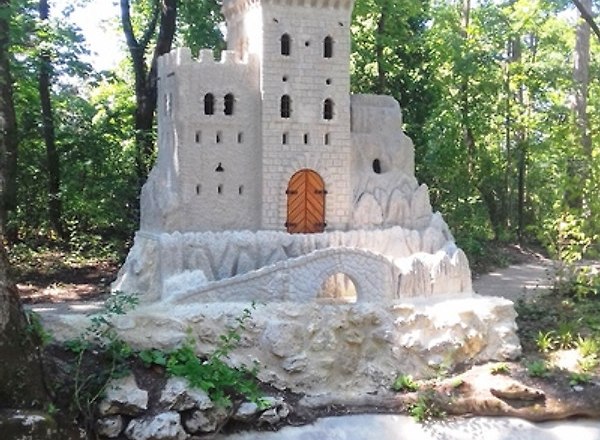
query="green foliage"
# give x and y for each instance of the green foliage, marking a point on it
(500, 368)
(537, 368)
(579, 379)
(35, 328)
(427, 407)
(546, 341)
(405, 382)
(213, 374)
(99, 338)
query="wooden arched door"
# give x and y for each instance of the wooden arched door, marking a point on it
(305, 203)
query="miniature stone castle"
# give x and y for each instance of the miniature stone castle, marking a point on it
(272, 182)
(273, 186)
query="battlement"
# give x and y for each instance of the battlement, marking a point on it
(170, 62)
(234, 7)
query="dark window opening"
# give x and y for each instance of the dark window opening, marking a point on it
(219, 189)
(284, 138)
(240, 137)
(328, 47)
(307, 43)
(326, 139)
(285, 44)
(241, 190)
(209, 104)
(198, 137)
(286, 105)
(219, 168)
(328, 109)
(306, 138)
(377, 166)
(198, 189)
(218, 137)
(284, 79)
(328, 81)
(229, 104)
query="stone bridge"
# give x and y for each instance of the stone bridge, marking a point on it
(375, 277)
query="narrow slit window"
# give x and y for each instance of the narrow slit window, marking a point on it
(284, 138)
(198, 137)
(241, 190)
(328, 109)
(285, 44)
(326, 139)
(220, 189)
(286, 106)
(219, 168)
(218, 137)
(306, 138)
(198, 189)
(328, 47)
(229, 99)
(240, 137)
(209, 104)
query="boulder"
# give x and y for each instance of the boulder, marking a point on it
(165, 426)
(123, 396)
(178, 395)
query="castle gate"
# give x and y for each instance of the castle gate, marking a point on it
(305, 203)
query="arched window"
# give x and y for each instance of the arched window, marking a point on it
(328, 47)
(285, 44)
(209, 104)
(229, 104)
(286, 106)
(328, 109)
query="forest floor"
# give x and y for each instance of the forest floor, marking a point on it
(556, 377)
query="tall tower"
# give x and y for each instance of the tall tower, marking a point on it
(304, 51)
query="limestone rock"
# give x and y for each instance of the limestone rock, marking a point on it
(178, 395)
(165, 426)
(278, 412)
(205, 421)
(197, 421)
(123, 396)
(246, 412)
(110, 426)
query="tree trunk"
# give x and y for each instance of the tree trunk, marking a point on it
(380, 86)
(8, 124)
(578, 168)
(145, 75)
(467, 132)
(45, 72)
(21, 384)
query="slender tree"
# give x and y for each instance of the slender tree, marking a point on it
(8, 123)
(579, 164)
(53, 164)
(161, 27)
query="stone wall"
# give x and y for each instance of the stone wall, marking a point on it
(329, 349)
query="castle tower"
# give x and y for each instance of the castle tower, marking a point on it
(304, 51)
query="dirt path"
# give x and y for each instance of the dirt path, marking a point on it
(517, 281)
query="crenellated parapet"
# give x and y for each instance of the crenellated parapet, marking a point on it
(232, 8)
(169, 63)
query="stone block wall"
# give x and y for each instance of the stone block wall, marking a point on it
(306, 139)
(211, 160)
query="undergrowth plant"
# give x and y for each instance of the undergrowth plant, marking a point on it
(405, 382)
(99, 337)
(427, 407)
(212, 374)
